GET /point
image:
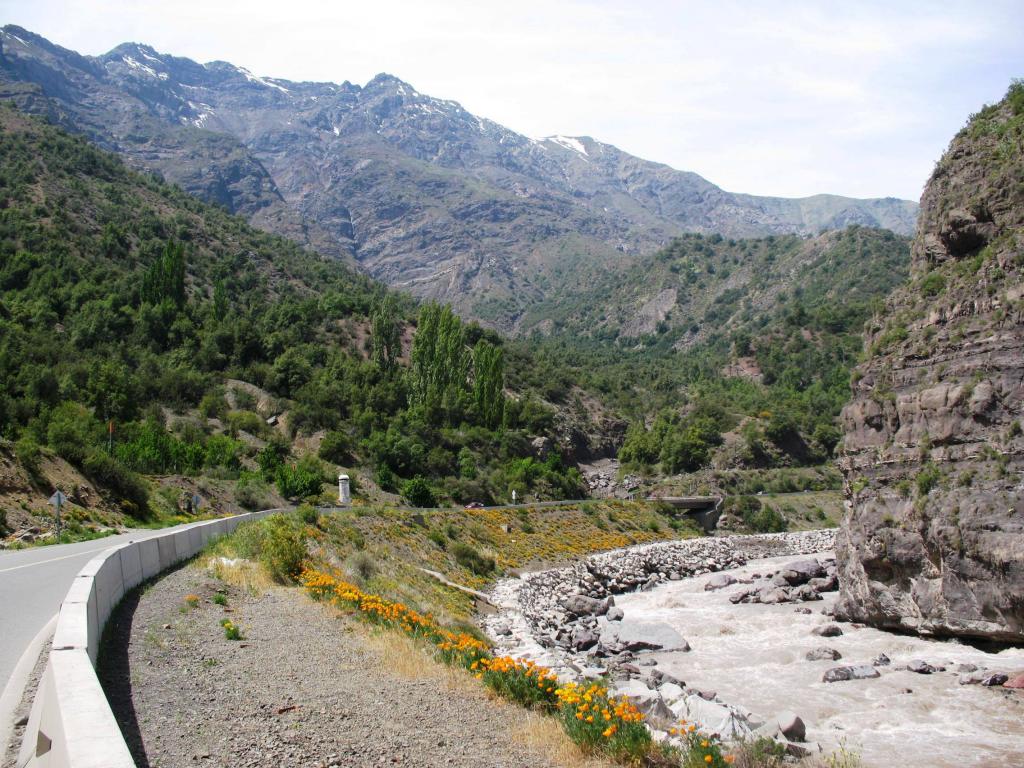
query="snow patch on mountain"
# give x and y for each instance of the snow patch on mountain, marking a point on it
(261, 81)
(569, 143)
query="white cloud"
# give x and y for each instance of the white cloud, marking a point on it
(788, 98)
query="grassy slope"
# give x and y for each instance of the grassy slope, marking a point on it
(382, 549)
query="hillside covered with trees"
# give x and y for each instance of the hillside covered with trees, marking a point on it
(145, 333)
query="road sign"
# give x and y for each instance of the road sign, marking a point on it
(58, 500)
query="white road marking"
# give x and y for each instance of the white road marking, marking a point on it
(55, 559)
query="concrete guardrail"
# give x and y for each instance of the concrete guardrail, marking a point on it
(71, 724)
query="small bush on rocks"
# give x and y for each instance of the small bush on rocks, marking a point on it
(231, 630)
(470, 559)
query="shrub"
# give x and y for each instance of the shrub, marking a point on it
(251, 492)
(72, 432)
(284, 548)
(277, 542)
(336, 448)
(471, 560)
(766, 520)
(109, 472)
(308, 514)
(213, 405)
(4, 530)
(220, 598)
(418, 493)
(927, 479)
(231, 631)
(933, 284)
(299, 480)
(247, 421)
(28, 453)
(361, 566)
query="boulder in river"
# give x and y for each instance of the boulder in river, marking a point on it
(643, 636)
(827, 630)
(859, 672)
(823, 653)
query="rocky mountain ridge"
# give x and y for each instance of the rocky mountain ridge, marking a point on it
(933, 452)
(423, 194)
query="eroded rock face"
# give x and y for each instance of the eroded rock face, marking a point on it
(933, 453)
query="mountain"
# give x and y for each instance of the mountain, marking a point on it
(421, 193)
(699, 287)
(228, 356)
(933, 451)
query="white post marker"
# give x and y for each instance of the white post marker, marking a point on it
(58, 500)
(513, 496)
(344, 492)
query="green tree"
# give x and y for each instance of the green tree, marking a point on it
(386, 334)
(440, 362)
(165, 278)
(489, 383)
(418, 493)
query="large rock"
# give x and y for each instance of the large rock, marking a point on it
(719, 581)
(643, 636)
(823, 653)
(714, 717)
(582, 605)
(933, 451)
(792, 727)
(839, 674)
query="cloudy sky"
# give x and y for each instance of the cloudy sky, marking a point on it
(776, 98)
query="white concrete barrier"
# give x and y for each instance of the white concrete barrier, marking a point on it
(71, 724)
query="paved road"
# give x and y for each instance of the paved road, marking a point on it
(33, 583)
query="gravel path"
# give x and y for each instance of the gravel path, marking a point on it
(303, 688)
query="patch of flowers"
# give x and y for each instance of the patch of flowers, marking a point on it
(231, 630)
(700, 748)
(599, 722)
(591, 717)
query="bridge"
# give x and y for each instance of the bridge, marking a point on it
(704, 509)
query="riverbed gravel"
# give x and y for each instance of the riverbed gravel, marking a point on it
(302, 688)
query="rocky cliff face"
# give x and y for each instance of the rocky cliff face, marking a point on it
(933, 453)
(425, 195)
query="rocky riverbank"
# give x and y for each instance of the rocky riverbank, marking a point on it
(559, 608)
(737, 636)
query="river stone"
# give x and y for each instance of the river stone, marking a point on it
(823, 654)
(803, 571)
(581, 605)
(995, 679)
(671, 692)
(1015, 682)
(827, 630)
(791, 726)
(839, 674)
(583, 638)
(713, 717)
(647, 701)
(920, 667)
(615, 614)
(719, 581)
(644, 636)
(770, 596)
